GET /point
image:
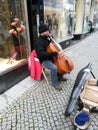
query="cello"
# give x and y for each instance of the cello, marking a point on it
(63, 62)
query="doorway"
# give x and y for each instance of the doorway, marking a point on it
(37, 17)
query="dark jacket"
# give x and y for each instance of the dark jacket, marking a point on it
(41, 49)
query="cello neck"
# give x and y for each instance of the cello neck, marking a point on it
(55, 43)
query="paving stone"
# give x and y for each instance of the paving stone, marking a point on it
(42, 109)
(36, 128)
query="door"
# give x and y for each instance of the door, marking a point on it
(37, 15)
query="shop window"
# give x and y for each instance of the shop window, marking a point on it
(13, 35)
(58, 15)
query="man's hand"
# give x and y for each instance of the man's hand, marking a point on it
(54, 53)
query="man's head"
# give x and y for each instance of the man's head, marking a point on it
(43, 29)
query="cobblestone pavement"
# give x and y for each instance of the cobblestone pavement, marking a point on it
(42, 108)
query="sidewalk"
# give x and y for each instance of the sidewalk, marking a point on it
(33, 105)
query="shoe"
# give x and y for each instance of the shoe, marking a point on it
(62, 79)
(58, 87)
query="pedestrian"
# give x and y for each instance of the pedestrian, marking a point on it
(90, 26)
(46, 58)
(49, 22)
(55, 22)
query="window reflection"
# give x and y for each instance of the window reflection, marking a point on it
(59, 17)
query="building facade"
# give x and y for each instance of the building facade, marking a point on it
(85, 11)
(19, 22)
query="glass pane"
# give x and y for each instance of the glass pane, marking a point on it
(59, 17)
(13, 36)
(87, 14)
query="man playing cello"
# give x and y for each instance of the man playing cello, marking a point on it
(46, 58)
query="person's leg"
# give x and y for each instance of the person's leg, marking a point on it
(61, 78)
(53, 71)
